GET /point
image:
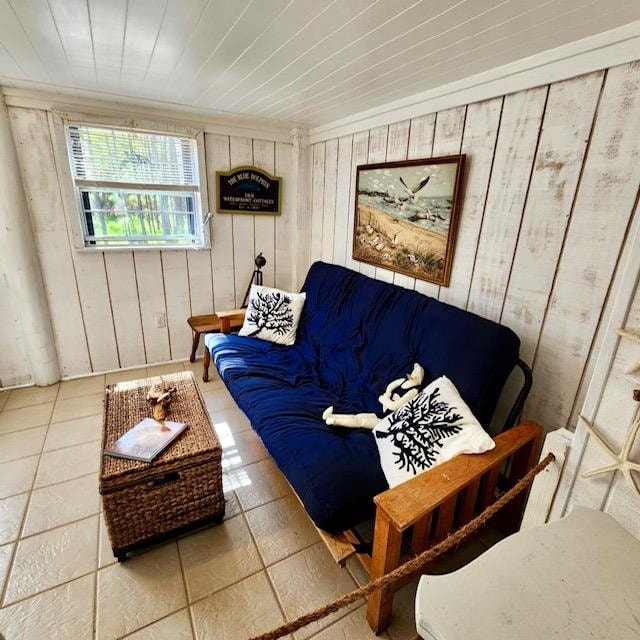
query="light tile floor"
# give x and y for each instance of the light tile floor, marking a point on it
(264, 564)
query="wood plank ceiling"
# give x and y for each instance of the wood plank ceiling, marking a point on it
(298, 61)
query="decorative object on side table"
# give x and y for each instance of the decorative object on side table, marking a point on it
(406, 216)
(160, 398)
(179, 490)
(256, 277)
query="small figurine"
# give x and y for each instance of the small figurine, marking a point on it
(160, 399)
(389, 400)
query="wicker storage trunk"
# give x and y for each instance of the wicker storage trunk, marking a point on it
(181, 489)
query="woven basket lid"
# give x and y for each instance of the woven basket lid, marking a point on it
(126, 404)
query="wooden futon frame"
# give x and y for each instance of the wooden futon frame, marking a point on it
(422, 511)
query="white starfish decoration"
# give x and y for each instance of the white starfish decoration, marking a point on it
(632, 335)
(622, 462)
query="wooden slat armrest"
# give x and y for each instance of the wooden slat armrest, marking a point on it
(230, 318)
(232, 313)
(405, 504)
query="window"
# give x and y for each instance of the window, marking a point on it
(135, 188)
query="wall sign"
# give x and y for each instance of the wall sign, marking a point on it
(248, 190)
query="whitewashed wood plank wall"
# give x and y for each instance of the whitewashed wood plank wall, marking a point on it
(104, 304)
(551, 184)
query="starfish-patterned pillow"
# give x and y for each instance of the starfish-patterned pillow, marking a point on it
(435, 426)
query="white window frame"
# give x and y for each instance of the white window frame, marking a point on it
(82, 243)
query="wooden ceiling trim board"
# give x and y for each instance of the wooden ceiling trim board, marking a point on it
(373, 78)
(8, 62)
(248, 29)
(214, 27)
(36, 20)
(107, 23)
(180, 21)
(610, 48)
(316, 31)
(375, 17)
(523, 47)
(384, 53)
(71, 19)
(259, 54)
(488, 38)
(144, 21)
(18, 45)
(393, 35)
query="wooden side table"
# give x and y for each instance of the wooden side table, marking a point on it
(207, 324)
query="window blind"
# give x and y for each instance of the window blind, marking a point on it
(118, 157)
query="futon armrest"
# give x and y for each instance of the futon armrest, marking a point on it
(410, 501)
(231, 318)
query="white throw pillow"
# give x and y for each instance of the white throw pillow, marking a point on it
(273, 315)
(435, 426)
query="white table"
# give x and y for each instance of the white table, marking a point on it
(575, 579)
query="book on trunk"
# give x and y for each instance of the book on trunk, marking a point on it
(146, 440)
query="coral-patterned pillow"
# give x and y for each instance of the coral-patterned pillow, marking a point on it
(435, 426)
(273, 315)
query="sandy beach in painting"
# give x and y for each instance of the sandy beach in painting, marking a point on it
(398, 244)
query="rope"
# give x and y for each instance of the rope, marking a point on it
(415, 565)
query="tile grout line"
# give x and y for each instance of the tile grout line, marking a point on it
(39, 593)
(11, 565)
(59, 526)
(146, 626)
(192, 622)
(95, 579)
(53, 484)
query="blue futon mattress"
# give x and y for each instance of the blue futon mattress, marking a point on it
(355, 335)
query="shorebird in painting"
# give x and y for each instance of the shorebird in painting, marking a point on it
(413, 191)
(426, 215)
(401, 203)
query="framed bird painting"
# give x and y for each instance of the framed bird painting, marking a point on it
(406, 216)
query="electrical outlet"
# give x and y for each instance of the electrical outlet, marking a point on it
(160, 320)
